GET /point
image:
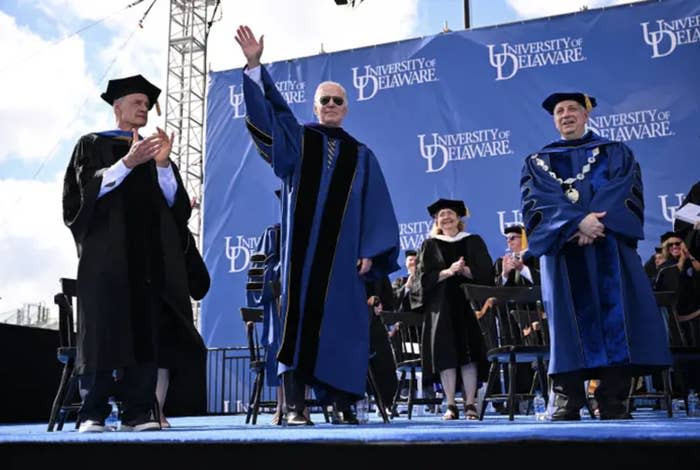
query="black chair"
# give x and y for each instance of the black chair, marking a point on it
(685, 352)
(515, 332)
(374, 391)
(406, 344)
(65, 401)
(253, 318)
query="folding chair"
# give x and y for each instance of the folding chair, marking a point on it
(65, 400)
(515, 332)
(406, 344)
(685, 351)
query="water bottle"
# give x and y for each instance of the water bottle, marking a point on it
(693, 403)
(362, 409)
(540, 407)
(112, 421)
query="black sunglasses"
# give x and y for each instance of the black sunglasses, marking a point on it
(512, 237)
(338, 100)
(673, 244)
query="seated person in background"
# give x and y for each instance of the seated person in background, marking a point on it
(689, 295)
(689, 288)
(651, 266)
(678, 264)
(517, 267)
(408, 294)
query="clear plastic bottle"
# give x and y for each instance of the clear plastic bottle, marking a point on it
(693, 403)
(362, 410)
(112, 422)
(540, 407)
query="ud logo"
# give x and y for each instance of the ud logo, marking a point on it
(517, 219)
(362, 82)
(236, 101)
(430, 151)
(663, 42)
(239, 254)
(503, 61)
(670, 211)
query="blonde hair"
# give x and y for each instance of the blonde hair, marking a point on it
(666, 250)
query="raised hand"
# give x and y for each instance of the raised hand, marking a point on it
(251, 47)
(141, 151)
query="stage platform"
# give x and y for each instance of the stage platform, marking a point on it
(651, 439)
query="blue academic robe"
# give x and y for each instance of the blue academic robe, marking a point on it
(266, 299)
(336, 209)
(600, 307)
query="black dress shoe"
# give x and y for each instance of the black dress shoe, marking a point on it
(566, 414)
(297, 419)
(344, 417)
(616, 413)
(608, 416)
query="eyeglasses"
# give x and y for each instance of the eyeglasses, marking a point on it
(338, 100)
(513, 237)
(673, 244)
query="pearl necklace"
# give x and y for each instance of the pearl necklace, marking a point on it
(571, 193)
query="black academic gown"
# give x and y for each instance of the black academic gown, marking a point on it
(131, 267)
(451, 333)
(514, 281)
(410, 300)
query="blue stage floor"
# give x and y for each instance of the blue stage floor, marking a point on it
(647, 426)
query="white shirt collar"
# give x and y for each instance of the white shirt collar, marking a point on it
(447, 238)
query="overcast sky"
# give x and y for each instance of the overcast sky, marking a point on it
(57, 55)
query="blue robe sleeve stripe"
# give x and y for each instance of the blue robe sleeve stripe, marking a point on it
(258, 134)
(330, 228)
(619, 193)
(303, 214)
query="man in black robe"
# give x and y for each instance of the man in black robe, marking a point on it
(517, 267)
(408, 293)
(127, 209)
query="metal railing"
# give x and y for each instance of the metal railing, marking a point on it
(229, 381)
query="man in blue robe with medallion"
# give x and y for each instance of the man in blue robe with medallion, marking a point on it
(338, 231)
(583, 208)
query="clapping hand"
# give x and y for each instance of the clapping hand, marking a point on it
(142, 151)
(162, 157)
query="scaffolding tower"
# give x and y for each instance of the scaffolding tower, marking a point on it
(190, 21)
(186, 84)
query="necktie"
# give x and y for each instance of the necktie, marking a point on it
(331, 151)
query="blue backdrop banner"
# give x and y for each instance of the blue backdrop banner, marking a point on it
(454, 115)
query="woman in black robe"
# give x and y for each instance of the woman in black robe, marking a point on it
(452, 338)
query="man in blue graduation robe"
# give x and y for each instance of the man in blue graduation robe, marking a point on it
(583, 208)
(339, 230)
